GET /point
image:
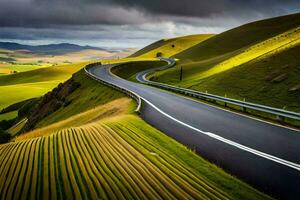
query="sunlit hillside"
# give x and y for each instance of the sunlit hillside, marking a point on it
(170, 47)
(262, 59)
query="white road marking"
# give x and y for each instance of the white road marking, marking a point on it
(217, 137)
(235, 144)
(144, 79)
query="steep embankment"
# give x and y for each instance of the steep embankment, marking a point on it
(67, 101)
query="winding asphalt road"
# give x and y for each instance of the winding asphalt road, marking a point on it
(264, 155)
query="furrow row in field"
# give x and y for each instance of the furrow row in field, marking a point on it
(15, 167)
(108, 179)
(140, 176)
(84, 174)
(138, 187)
(9, 168)
(166, 162)
(162, 185)
(68, 175)
(174, 186)
(119, 181)
(18, 178)
(4, 155)
(96, 161)
(28, 178)
(32, 192)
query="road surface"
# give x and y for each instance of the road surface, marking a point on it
(264, 155)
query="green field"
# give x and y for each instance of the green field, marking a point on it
(8, 116)
(20, 92)
(16, 68)
(25, 85)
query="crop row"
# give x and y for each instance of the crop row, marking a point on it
(93, 162)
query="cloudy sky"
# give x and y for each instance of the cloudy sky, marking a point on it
(127, 23)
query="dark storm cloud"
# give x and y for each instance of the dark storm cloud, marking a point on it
(131, 23)
(40, 13)
(27, 13)
(204, 8)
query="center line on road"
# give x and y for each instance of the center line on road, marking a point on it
(213, 135)
(232, 143)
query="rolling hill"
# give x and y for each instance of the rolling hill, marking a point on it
(53, 49)
(170, 47)
(15, 58)
(237, 39)
(262, 57)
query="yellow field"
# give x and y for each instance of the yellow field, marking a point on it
(11, 68)
(79, 56)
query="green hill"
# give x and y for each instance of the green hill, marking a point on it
(255, 61)
(170, 47)
(239, 38)
(35, 83)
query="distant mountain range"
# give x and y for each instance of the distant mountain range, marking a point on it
(52, 49)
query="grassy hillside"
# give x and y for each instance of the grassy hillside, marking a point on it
(151, 47)
(238, 38)
(96, 147)
(274, 76)
(256, 61)
(92, 94)
(88, 96)
(26, 85)
(170, 47)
